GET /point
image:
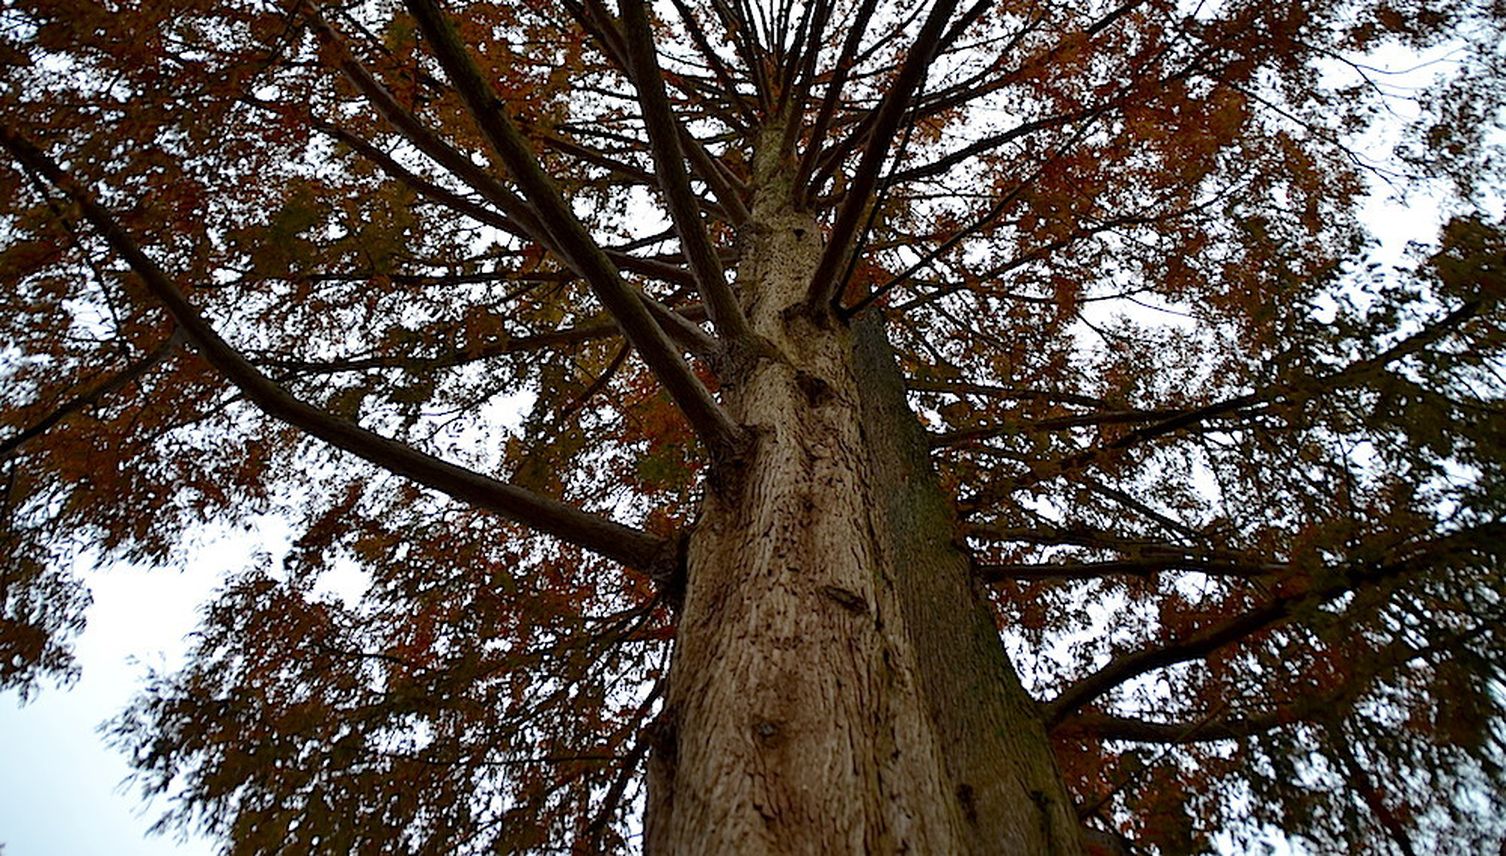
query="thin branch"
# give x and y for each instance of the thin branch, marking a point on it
(1037, 571)
(516, 217)
(597, 21)
(1125, 499)
(991, 142)
(1278, 610)
(702, 44)
(944, 439)
(1304, 708)
(813, 150)
(1111, 727)
(92, 396)
(1003, 392)
(584, 332)
(1300, 390)
(1373, 797)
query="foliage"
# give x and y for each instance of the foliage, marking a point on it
(1235, 490)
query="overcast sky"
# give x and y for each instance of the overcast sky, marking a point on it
(61, 790)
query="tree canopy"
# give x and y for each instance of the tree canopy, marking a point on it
(453, 287)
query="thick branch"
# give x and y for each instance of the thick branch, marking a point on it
(669, 163)
(549, 516)
(824, 285)
(723, 436)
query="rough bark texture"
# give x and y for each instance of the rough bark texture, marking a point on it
(998, 758)
(836, 685)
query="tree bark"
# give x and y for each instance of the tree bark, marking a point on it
(837, 685)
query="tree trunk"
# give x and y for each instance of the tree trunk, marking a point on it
(837, 684)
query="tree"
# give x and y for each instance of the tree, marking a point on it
(849, 339)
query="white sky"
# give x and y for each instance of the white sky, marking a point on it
(61, 786)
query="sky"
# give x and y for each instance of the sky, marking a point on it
(61, 785)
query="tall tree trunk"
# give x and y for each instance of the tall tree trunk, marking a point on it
(837, 685)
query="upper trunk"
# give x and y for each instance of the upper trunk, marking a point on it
(837, 685)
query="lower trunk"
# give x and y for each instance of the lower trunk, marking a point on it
(837, 684)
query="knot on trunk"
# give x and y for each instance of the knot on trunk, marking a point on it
(818, 393)
(846, 598)
(737, 361)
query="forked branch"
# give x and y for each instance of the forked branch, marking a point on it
(1276, 611)
(669, 164)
